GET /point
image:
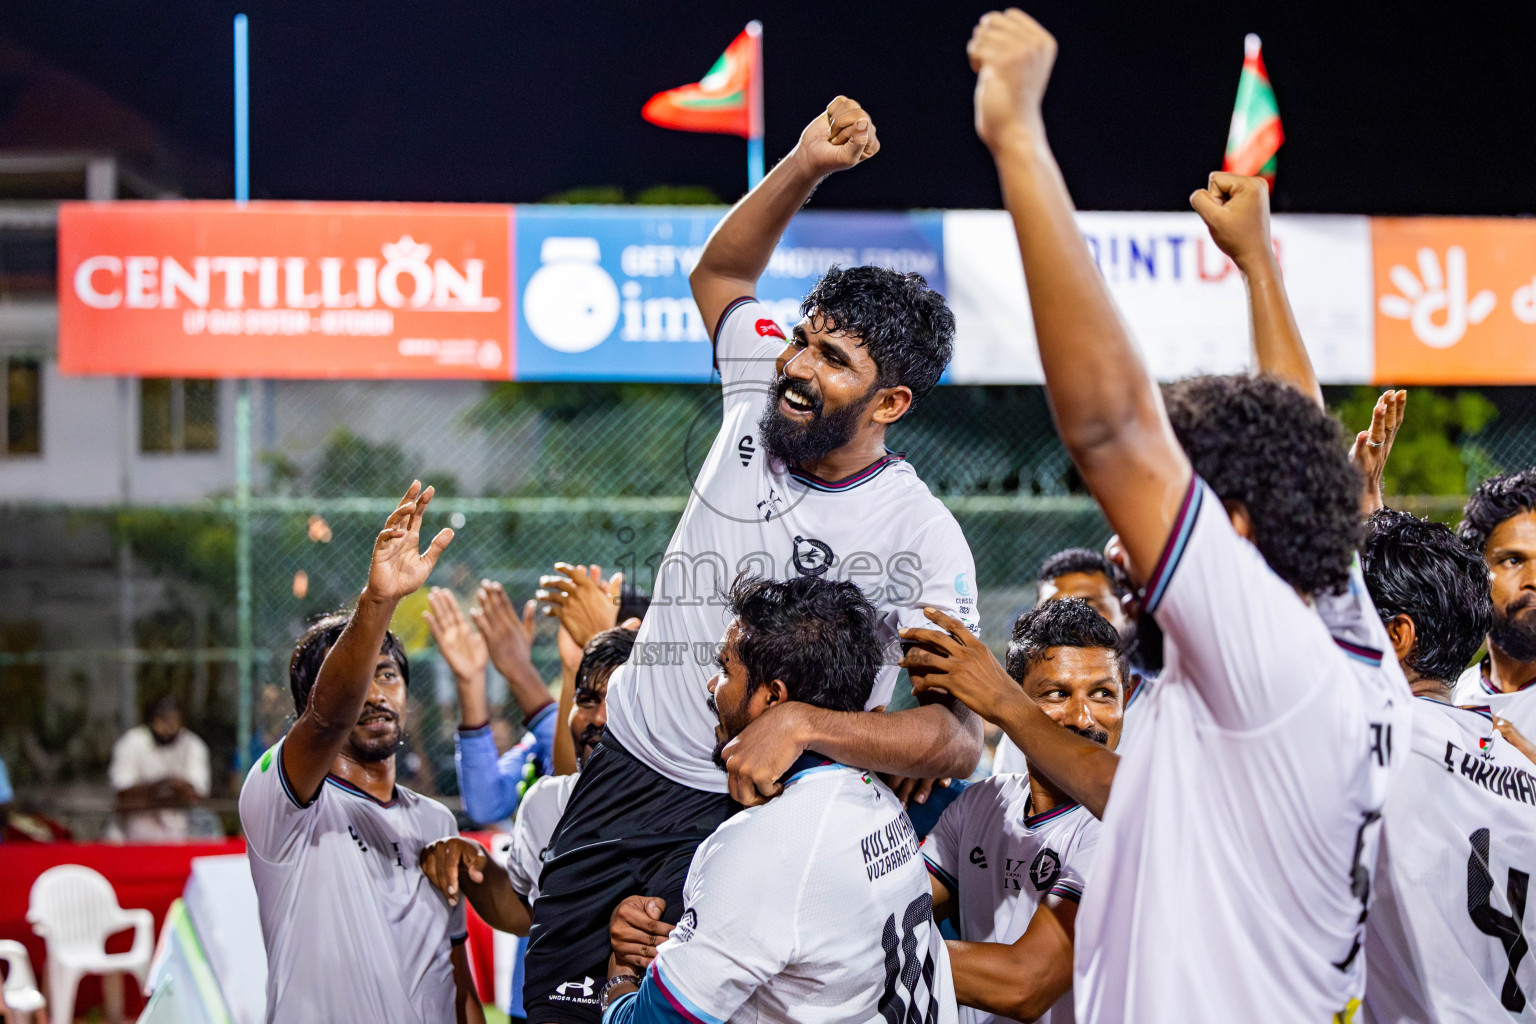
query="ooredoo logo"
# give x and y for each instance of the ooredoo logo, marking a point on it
(770, 329)
(1435, 302)
(571, 303)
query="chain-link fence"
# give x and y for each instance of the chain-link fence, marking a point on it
(117, 606)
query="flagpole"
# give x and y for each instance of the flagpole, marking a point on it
(755, 123)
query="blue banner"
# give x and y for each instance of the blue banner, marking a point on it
(603, 291)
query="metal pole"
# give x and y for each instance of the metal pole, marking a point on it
(755, 165)
(243, 426)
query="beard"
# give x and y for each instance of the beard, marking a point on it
(1514, 629)
(372, 749)
(586, 743)
(799, 443)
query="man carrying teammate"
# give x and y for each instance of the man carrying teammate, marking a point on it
(1445, 940)
(1263, 759)
(353, 929)
(798, 483)
(814, 907)
(1008, 859)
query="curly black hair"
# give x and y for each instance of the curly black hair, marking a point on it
(905, 325)
(1260, 442)
(1420, 569)
(1083, 560)
(1069, 622)
(309, 654)
(1496, 499)
(816, 636)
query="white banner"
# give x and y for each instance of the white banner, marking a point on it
(1183, 299)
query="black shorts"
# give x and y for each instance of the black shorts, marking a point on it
(627, 831)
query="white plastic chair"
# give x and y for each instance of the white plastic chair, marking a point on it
(74, 909)
(19, 997)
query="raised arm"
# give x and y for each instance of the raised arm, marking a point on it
(510, 642)
(1106, 406)
(585, 605)
(950, 660)
(397, 568)
(737, 252)
(1236, 209)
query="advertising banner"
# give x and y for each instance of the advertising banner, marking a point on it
(207, 289)
(1456, 300)
(605, 292)
(1183, 300)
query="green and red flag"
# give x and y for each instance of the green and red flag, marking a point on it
(1256, 135)
(727, 100)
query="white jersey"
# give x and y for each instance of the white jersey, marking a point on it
(353, 929)
(880, 528)
(1000, 862)
(1257, 772)
(1475, 688)
(1457, 852)
(1010, 760)
(813, 908)
(537, 815)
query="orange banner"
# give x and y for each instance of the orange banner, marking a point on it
(206, 289)
(1455, 300)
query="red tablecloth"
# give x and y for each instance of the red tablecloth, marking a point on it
(144, 876)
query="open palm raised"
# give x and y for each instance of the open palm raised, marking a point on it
(399, 567)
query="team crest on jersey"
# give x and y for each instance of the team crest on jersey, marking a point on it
(685, 926)
(1045, 869)
(812, 557)
(745, 449)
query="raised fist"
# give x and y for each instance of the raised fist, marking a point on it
(839, 138)
(1012, 57)
(1236, 209)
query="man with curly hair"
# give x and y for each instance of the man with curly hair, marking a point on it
(1265, 753)
(1499, 524)
(798, 482)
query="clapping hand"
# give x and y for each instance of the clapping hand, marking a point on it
(399, 567)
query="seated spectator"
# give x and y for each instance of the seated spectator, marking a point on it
(159, 771)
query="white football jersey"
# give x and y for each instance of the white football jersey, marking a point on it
(812, 908)
(1445, 937)
(537, 815)
(1476, 689)
(1257, 771)
(1000, 862)
(880, 528)
(353, 929)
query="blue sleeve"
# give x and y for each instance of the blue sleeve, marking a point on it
(6, 794)
(542, 729)
(490, 786)
(647, 1006)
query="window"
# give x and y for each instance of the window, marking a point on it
(23, 406)
(178, 415)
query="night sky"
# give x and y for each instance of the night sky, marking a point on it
(1387, 107)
